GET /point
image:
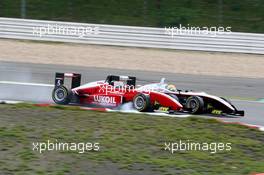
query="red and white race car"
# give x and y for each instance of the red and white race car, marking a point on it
(118, 90)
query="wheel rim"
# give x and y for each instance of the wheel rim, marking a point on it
(60, 94)
(193, 104)
(139, 102)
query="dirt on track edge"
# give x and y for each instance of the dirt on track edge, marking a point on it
(159, 60)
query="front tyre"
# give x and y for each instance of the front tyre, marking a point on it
(61, 95)
(195, 105)
(141, 102)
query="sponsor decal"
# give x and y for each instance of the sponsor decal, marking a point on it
(105, 100)
(165, 109)
(156, 103)
(215, 111)
(209, 106)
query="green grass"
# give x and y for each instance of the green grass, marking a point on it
(243, 15)
(129, 143)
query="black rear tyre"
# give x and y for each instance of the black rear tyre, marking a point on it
(141, 102)
(195, 105)
(61, 95)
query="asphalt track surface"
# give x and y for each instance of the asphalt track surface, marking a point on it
(41, 77)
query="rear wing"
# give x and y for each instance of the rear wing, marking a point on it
(131, 81)
(60, 77)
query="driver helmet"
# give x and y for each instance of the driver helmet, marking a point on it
(171, 87)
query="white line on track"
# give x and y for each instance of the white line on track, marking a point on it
(26, 84)
(249, 101)
(261, 128)
(10, 101)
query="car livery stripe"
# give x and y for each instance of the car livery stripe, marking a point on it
(202, 94)
(171, 98)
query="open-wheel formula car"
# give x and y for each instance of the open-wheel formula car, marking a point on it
(118, 90)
